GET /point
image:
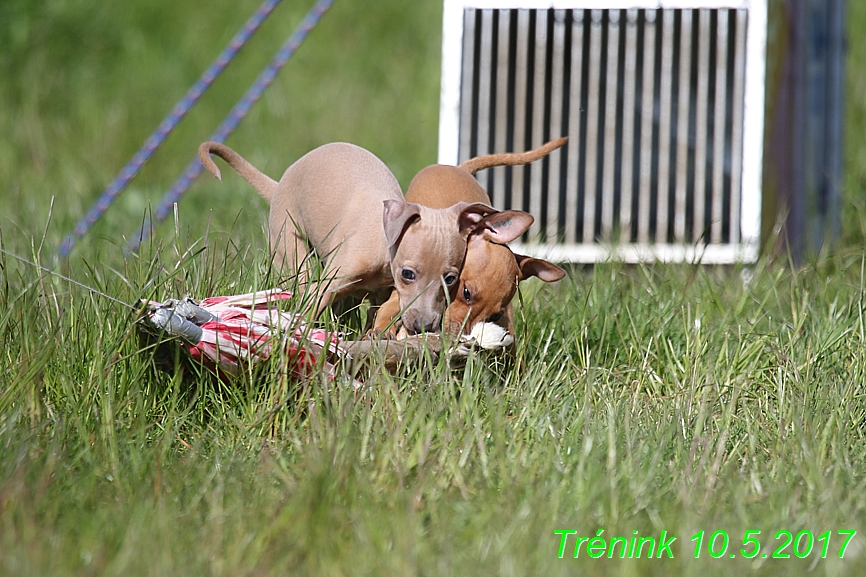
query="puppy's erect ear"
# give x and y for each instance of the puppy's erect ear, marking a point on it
(397, 216)
(546, 271)
(502, 227)
(469, 215)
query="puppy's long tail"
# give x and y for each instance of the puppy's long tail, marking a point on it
(473, 165)
(263, 184)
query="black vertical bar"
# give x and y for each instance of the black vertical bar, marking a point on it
(803, 160)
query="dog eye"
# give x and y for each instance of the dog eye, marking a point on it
(467, 295)
(408, 274)
(495, 318)
(450, 279)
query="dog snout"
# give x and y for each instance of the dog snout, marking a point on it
(431, 326)
(424, 324)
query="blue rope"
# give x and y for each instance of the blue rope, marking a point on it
(166, 126)
(240, 110)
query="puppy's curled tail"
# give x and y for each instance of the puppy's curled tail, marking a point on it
(473, 165)
(263, 184)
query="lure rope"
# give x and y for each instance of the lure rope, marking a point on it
(166, 126)
(237, 114)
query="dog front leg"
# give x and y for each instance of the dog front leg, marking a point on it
(388, 312)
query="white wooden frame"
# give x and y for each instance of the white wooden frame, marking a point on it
(747, 249)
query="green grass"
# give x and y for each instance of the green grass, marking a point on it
(648, 399)
(677, 399)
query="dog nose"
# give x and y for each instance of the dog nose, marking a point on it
(428, 326)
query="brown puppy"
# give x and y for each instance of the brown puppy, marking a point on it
(491, 270)
(332, 199)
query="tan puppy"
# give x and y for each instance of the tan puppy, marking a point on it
(332, 199)
(491, 270)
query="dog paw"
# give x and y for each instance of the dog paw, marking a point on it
(394, 332)
(371, 335)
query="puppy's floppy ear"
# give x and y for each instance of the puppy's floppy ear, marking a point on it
(469, 215)
(502, 227)
(397, 216)
(546, 271)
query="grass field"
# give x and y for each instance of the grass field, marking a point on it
(642, 401)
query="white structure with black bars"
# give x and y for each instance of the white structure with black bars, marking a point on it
(663, 103)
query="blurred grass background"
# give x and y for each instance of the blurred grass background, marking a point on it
(85, 82)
